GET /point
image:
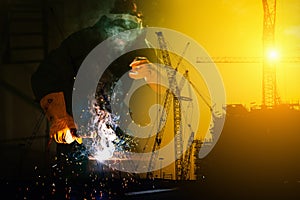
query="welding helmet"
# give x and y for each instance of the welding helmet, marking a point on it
(123, 17)
(124, 14)
(125, 7)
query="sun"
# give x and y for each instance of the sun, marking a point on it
(272, 55)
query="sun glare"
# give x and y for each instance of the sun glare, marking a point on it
(272, 55)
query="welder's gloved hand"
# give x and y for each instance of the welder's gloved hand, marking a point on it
(142, 68)
(62, 126)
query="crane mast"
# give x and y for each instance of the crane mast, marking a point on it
(269, 89)
(172, 94)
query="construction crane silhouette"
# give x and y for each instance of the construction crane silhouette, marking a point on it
(172, 94)
(270, 97)
(224, 59)
(172, 97)
(269, 88)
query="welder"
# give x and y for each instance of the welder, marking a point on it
(52, 82)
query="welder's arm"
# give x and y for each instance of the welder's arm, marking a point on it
(142, 68)
(62, 126)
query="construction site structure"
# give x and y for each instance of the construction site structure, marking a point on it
(270, 97)
(183, 156)
(229, 59)
(184, 149)
(196, 147)
(172, 95)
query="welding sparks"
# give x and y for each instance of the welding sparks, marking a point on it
(101, 132)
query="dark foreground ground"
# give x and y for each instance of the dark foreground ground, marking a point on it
(145, 189)
(255, 158)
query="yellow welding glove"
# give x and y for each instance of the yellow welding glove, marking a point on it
(62, 125)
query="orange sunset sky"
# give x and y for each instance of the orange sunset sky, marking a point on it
(234, 28)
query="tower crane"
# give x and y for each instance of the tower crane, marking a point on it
(172, 94)
(225, 59)
(182, 160)
(270, 97)
(269, 89)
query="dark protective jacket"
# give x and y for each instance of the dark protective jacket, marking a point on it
(57, 72)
